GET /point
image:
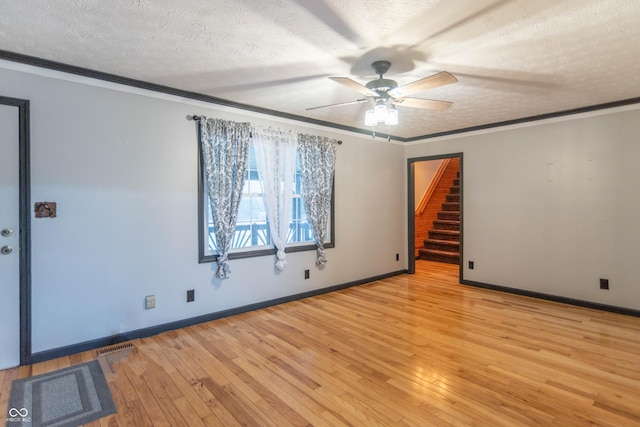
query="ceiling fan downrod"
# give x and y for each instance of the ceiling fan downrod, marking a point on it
(381, 85)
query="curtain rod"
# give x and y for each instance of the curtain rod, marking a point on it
(196, 117)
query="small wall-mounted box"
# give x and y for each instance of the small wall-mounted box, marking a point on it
(150, 302)
(45, 209)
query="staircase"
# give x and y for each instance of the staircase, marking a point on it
(443, 244)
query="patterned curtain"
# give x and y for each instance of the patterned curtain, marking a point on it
(276, 162)
(225, 155)
(317, 166)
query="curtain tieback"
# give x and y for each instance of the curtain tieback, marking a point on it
(224, 270)
(282, 259)
(322, 257)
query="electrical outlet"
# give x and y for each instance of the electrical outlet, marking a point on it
(604, 284)
(397, 257)
(150, 302)
(471, 265)
(191, 295)
(306, 274)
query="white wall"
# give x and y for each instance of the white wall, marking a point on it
(553, 206)
(423, 175)
(122, 166)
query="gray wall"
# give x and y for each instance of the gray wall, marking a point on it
(122, 166)
(553, 206)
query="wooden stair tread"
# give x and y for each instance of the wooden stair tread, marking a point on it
(443, 242)
(435, 251)
(440, 256)
(444, 235)
(451, 232)
(442, 225)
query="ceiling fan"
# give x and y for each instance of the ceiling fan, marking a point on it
(384, 94)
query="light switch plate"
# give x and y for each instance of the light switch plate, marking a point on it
(150, 302)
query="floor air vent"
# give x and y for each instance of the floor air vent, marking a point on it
(108, 356)
(115, 348)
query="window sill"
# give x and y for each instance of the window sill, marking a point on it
(204, 258)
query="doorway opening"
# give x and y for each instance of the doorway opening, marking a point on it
(423, 176)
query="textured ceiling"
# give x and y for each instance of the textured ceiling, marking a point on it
(512, 58)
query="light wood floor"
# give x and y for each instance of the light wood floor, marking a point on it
(417, 350)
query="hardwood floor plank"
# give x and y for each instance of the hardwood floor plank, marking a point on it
(6, 379)
(147, 401)
(38, 368)
(276, 408)
(410, 350)
(51, 365)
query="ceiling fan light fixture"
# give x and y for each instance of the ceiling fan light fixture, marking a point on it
(392, 116)
(370, 118)
(381, 113)
(380, 110)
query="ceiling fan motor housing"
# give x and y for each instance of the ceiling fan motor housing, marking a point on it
(381, 85)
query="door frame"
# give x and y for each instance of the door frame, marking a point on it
(411, 209)
(24, 202)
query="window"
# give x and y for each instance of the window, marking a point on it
(252, 235)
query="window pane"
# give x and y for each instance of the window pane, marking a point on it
(251, 229)
(258, 211)
(253, 186)
(244, 210)
(300, 230)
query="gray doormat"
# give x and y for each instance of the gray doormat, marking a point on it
(68, 397)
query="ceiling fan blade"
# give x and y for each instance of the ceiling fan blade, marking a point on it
(352, 84)
(425, 104)
(436, 80)
(338, 104)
